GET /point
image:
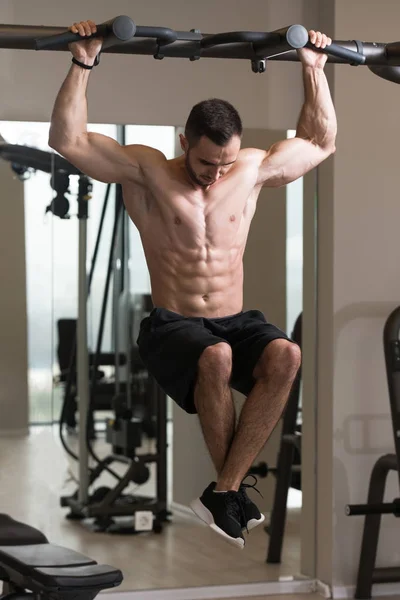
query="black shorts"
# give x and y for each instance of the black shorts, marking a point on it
(170, 346)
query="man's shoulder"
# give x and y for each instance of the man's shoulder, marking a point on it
(250, 160)
(252, 156)
(145, 155)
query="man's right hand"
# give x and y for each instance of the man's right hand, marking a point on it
(85, 50)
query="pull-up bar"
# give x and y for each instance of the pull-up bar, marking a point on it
(122, 36)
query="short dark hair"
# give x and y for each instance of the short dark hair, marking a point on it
(216, 119)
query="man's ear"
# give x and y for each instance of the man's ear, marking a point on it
(184, 143)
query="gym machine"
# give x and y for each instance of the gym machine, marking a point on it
(368, 573)
(31, 567)
(124, 430)
(122, 35)
(134, 392)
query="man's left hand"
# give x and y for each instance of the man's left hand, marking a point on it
(312, 58)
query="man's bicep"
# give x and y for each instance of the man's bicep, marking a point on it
(104, 159)
(288, 160)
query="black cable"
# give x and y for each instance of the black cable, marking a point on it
(100, 339)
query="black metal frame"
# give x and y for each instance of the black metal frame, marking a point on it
(124, 430)
(113, 503)
(288, 467)
(368, 573)
(290, 439)
(121, 35)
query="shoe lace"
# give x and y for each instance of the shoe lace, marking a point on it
(246, 486)
(234, 506)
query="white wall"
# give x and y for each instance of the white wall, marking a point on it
(361, 214)
(13, 323)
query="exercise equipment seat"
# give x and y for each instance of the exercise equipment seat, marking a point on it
(30, 565)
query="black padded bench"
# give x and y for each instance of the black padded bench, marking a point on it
(30, 565)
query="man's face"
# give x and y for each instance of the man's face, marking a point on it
(207, 162)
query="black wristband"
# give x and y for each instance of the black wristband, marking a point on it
(76, 62)
(88, 67)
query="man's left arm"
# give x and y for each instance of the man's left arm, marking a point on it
(290, 159)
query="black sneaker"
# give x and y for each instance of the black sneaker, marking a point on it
(223, 512)
(252, 516)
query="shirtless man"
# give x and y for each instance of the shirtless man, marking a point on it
(193, 214)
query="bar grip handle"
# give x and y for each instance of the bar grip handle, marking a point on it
(383, 508)
(121, 28)
(353, 58)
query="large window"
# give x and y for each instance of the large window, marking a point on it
(294, 249)
(294, 276)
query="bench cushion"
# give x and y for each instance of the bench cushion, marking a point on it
(13, 533)
(23, 558)
(42, 567)
(79, 578)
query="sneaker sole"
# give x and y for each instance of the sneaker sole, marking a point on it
(254, 522)
(205, 515)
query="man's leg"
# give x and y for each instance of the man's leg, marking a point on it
(274, 374)
(214, 402)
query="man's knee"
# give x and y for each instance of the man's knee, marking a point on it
(216, 360)
(280, 358)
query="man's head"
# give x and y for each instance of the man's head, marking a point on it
(212, 140)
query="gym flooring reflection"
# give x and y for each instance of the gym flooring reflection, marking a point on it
(35, 472)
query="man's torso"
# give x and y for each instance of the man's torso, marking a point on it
(194, 239)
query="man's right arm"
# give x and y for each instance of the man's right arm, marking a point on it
(96, 155)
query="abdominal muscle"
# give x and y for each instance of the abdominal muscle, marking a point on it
(194, 242)
(196, 283)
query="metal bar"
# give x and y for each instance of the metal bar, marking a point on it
(114, 31)
(390, 73)
(239, 37)
(83, 365)
(163, 35)
(117, 283)
(127, 311)
(94, 380)
(40, 160)
(161, 403)
(284, 467)
(385, 508)
(105, 507)
(104, 304)
(391, 345)
(186, 49)
(393, 52)
(119, 509)
(98, 238)
(349, 56)
(372, 524)
(375, 53)
(24, 37)
(386, 575)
